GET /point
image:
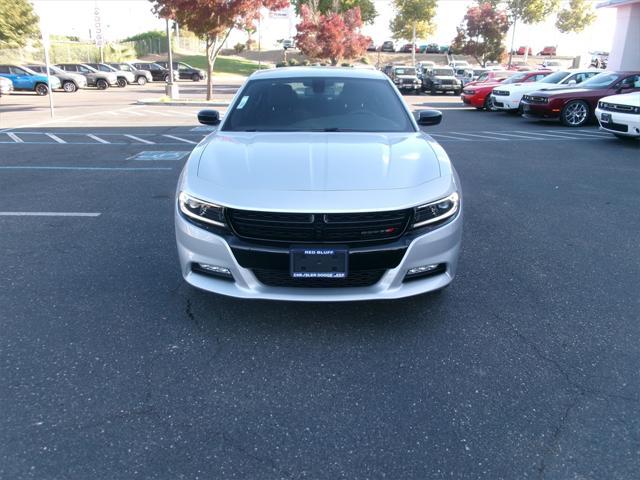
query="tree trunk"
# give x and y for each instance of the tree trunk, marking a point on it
(413, 45)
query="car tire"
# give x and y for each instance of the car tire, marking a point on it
(102, 84)
(457, 92)
(122, 82)
(69, 86)
(575, 113)
(141, 80)
(195, 77)
(41, 89)
(433, 91)
(488, 104)
(166, 79)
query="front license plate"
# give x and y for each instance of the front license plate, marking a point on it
(605, 117)
(318, 262)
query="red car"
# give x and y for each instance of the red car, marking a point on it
(575, 106)
(548, 51)
(478, 95)
(407, 48)
(521, 51)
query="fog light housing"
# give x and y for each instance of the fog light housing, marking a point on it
(424, 271)
(212, 270)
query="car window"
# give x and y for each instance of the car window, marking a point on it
(405, 71)
(83, 69)
(318, 104)
(104, 68)
(602, 80)
(4, 69)
(633, 80)
(38, 68)
(17, 71)
(442, 72)
(554, 77)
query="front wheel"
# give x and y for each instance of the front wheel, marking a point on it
(122, 82)
(69, 87)
(102, 84)
(488, 104)
(142, 81)
(195, 77)
(575, 113)
(166, 78)
(433, 91)
(42, 89)
(457, 92)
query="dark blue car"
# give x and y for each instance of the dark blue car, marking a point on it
(28, 80)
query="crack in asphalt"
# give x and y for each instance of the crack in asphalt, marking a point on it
(578, 392)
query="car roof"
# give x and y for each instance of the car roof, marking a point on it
(288, 72)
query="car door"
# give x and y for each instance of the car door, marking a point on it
(23, 80)
(6, 73)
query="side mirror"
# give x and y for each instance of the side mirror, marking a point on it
(572, 82)
(429, 117)
(209, 117)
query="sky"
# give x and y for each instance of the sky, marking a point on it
(122, 18)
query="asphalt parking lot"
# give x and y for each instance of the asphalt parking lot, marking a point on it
(112, 367)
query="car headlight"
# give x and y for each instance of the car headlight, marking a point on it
(201, 211)
(469, 92)
(436, 211)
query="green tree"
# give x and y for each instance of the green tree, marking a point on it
(414, 19)
(368, 11)
(18, 23)
(576, 18)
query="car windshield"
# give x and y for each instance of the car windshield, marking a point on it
(91, 69)
(405, 71)
(520, 77)
(444, 72)
(554, 77)
(601, 80)
(317, 104)
(108, 67)
(122, 66)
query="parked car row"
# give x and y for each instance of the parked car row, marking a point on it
(573, 97)
(423, 78)
(71, 77)
(391, 47)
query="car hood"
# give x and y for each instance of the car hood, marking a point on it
(575, 91)
(631, 99)
(412, 77)
(319, 170)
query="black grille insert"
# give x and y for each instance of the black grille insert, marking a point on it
(320, 227)
(282, 278)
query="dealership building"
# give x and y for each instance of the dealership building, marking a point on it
(625, 50)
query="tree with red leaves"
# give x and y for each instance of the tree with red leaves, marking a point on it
(331, 36)
(482, 33)
(213, 20)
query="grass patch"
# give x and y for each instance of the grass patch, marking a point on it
(236, 66)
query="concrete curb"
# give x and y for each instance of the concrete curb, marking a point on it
(183, 103)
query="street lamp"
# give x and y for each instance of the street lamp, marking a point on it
(171, 89)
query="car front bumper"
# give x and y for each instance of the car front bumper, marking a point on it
(474, 100)
(618, 123)
(539, 111)
(503, 102)
(198, 246)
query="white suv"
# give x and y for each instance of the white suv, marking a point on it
(508, 98)
(318, 185)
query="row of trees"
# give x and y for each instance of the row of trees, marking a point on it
(484, 27)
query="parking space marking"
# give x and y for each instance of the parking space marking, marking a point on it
(142, 140)
(47, 167)
(180, 139)
(564, 137)
(55, 137)
(481, 136)
(134, 112)
(14, 137)
(516, 136)
(449, 136)
(96, 138)
(583, 134)
(148, 155)
(48, 214)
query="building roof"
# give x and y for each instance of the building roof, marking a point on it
(616, 3)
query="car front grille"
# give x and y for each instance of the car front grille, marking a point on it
(535, 99)
(618, 127)
(282, 278)
(501, 93)
(447, 82)
(346, 228)
(613, 107)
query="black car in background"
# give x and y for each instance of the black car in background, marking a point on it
(387, 46)
(158, 73)
(185, 71)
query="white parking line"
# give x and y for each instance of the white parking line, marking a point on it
(181, 139)
(515, 136)
(133, 169)
(550, 135)
(449, 136)
(14, 137)
(48, 214)
(133, 137)
(481, 136)
(96, 138)
(584, 134)
(55, 137)
(162, 114)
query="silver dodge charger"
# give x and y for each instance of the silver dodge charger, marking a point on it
(318, 185)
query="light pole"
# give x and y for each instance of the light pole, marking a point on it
(171, 89)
